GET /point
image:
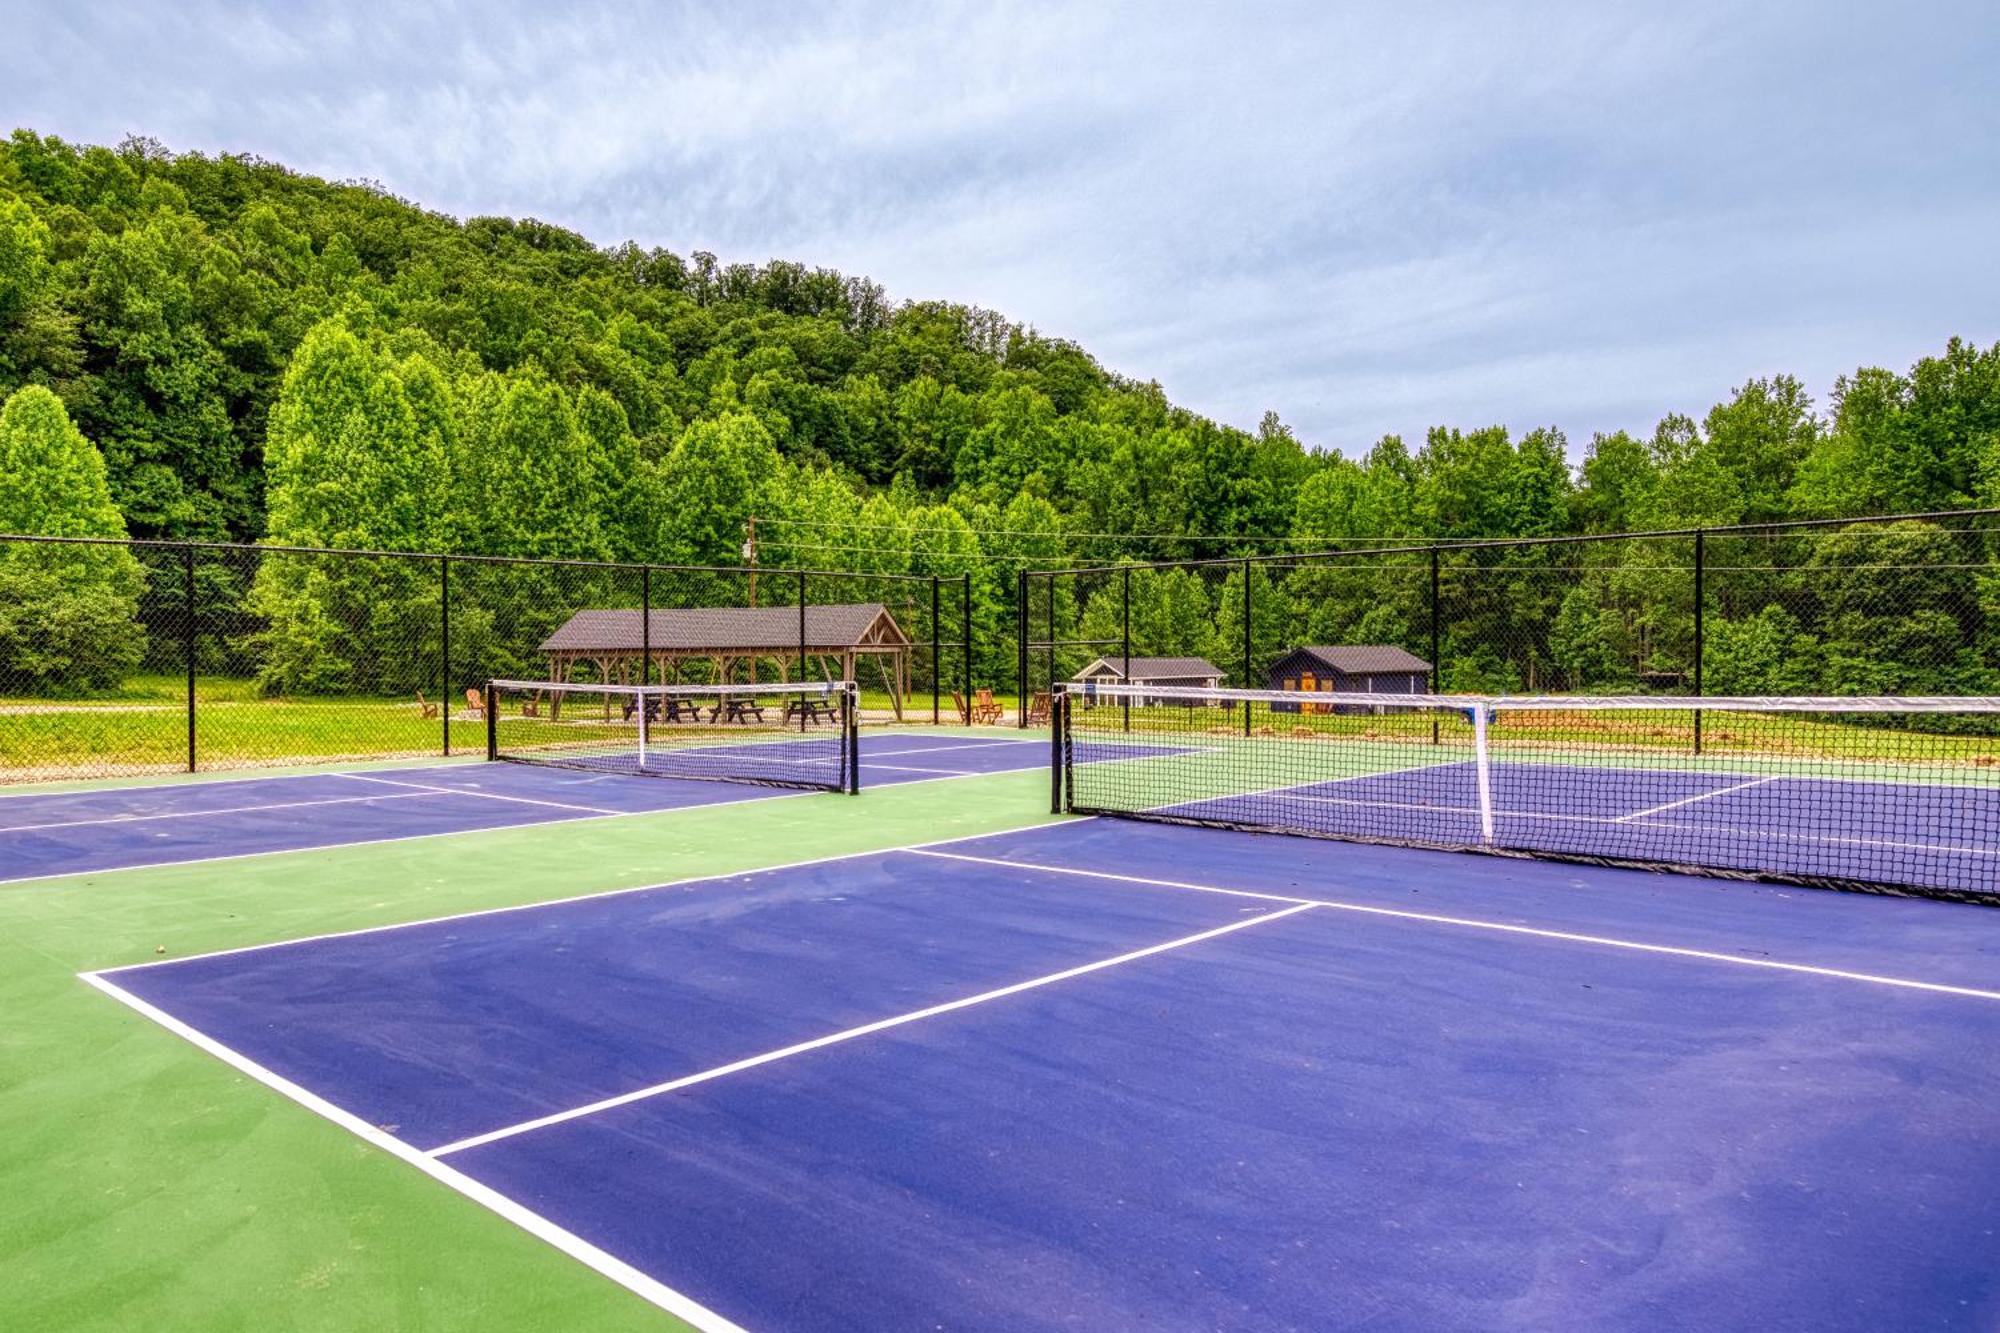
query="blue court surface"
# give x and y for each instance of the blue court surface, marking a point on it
(67, 833)
(1919, 834)
(1111, 1075)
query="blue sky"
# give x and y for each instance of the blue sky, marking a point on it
(1369, 218)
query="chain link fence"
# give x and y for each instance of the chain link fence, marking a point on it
(1904, 604)
(135, 657)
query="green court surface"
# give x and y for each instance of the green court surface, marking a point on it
(149, 1185)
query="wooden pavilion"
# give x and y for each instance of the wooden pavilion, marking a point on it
(614, 644)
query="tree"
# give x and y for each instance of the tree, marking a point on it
(1582, 643)
(68, 613)
(352, 465)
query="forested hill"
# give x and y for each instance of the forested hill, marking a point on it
(260, 354)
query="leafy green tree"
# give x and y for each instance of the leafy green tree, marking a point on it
(68, 613)
(352, 465)
(1583, 644)
(1768, 653)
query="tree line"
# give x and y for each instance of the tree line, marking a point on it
(259, 355)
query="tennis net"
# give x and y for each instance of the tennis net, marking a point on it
(796, 735)
(1886, 794)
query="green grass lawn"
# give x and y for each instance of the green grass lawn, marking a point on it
(149, 1186)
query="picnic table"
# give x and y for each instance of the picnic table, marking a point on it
(811, 710)
(737, 710)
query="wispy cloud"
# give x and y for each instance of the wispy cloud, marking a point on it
(1370, 218)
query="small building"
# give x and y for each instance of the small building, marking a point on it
(1194, 672)
(1369, 668)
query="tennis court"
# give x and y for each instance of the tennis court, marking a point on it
(930, 1056)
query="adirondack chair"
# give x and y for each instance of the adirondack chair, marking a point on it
(475, 703)
(430, 709)
(1038, 708)
(984, 709)
(964, 712)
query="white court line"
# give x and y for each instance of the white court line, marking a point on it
(489, 795)
(625, 1275)
(1476, 923)
(1690, 800)
(200, 814)
(849, 1034)
(954, 772)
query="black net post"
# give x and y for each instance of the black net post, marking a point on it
(1700, 560)
(1058, 710)
(1125, 640)
(850, 703)
(937, 660)
(492, 722)
(444, 650)
(188, 646)
(1021, 665)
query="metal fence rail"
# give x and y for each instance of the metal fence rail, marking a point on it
(140, 656)
(1887, 604)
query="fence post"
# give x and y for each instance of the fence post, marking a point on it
(1700, 601)
(1052, 649)
(1021, 666)
(1125, 641)
(937, 652)
(444, 649)
(965, 631)
(188, 645)
(802, 650)
(1247, 681)
(1436, 648)
(646, 628)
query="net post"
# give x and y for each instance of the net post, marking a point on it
(1058, 727)
(850, 705)
(444, 649)
(937, 651)
(188, 645)
(1700, 598)
(1247, 682)
(1483, 767)
(1021, 663)
(1125, 640)
(639, 698)
(492, 721)
(1435, 647)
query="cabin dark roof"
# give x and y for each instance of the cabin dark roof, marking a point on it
(1365, 659)
(1161, 668)
(767, 628)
